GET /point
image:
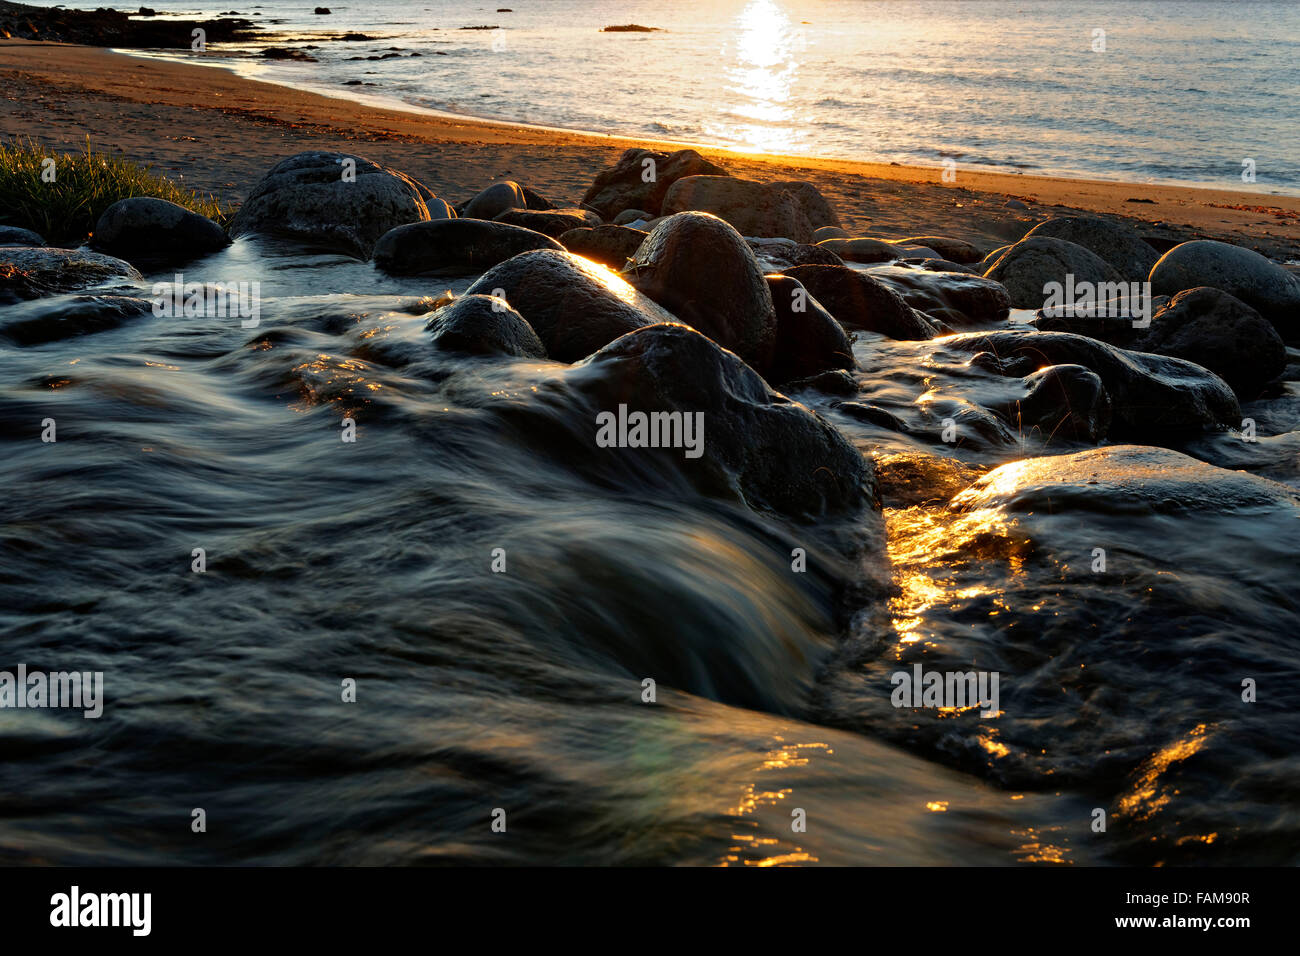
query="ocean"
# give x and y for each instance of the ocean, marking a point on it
(1131, 90)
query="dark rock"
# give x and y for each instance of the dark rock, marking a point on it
(756, 209)
(1116, 243)
(867, 250)
(553, 222)
(574, 305)
(624, 186)
(484, 325)
(1151, 395)
(13, 236)
(814, 205)
(953, 297)
(859, 301)
(283, 53)
(954, 250)
(808, 339)
(148, 230)
(306, 198)
(775, 454)
(322, 11)
(460, 245)
(495, 200)
(31, 273)
(1260, 283)
(611, 246)
(777, 255)
(1064, 401)
(838, 382)
(1030, 265)
(700, 269)
(1218, 332)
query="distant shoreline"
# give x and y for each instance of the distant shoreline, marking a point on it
(222, 131)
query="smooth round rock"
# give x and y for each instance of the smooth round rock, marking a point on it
(454, 245)
(484, 325)
(146, 229)
(1257, 281)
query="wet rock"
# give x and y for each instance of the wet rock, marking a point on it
(306, 197)
(454, 245)
(628, 216)
(1220, 333)
(611, 246)
(1063, 401)
(865, 249)
(494, 200)
(1151, 395)
(808, 339)
(940, 265)
(953, 297)
(13, 236)
(148, 230)
(441, 209)
(1027, 267)
(775, 454)
(33, 272)
(553, 223)
(1122, 479)
(575, 306)
(699, 268)
(859, 301)
(1116, 243)
(829, 232)
(954, 250)
(763, 210)
(837, 382)
(1260, 283)
(40, 321)
(484, 325)
(777, 255)
(624, 185)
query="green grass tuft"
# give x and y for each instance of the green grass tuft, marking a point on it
(85, 184)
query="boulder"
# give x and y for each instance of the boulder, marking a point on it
(575, 306)
(629, 216)
(1063, 401)
(859, 301)
(629, 183)
(307, 198)
(551, 222)
(777, 255)
(1151, 395)
(154, 231)
(494, 200)
(814, 205)
(13, 236)
(1220, 333)
(952, 297)
(763, 210)
(40, 320)
(1260, 283)
(1030, 265)
(28, 272)
(829, 232)
(954, 250)
(1123, 480)
(866, 249)
(700, 269)
(1116, 243)
(808, 339)
(611, 246)
(484, 325)
(774, 454)
(454, 245)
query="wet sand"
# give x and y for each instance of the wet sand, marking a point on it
(221, 132)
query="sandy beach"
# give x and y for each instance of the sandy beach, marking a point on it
(221, 132)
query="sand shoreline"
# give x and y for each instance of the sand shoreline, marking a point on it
(221, 132)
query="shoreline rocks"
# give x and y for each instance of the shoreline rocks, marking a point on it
(148, 230)
(454, 245)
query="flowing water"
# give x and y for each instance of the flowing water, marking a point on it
(1180, 92)
(521, 689)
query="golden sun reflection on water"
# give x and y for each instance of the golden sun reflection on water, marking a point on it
(759, 81)
(1148, 797)
(928, 546)
(751, 849)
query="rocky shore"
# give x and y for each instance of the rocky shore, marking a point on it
(109, 27)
